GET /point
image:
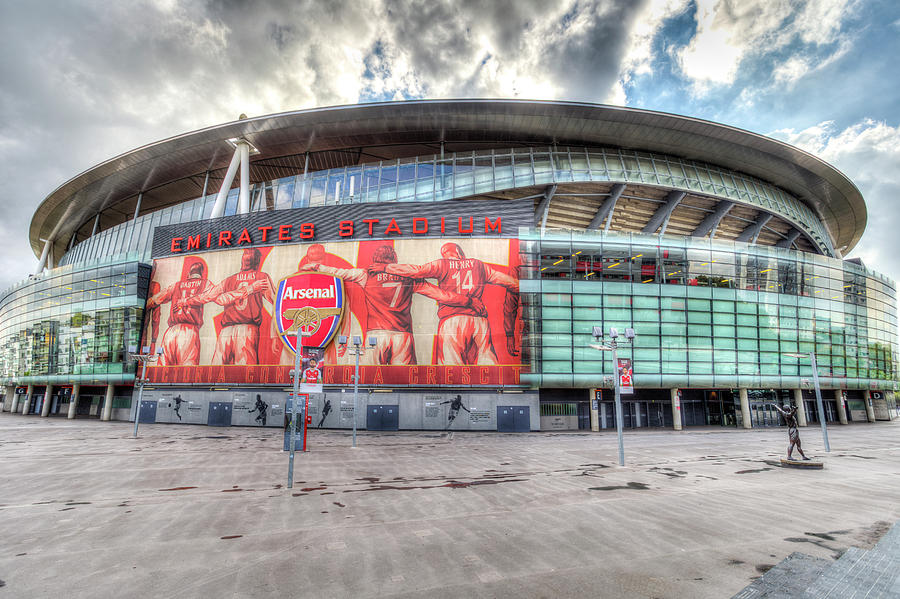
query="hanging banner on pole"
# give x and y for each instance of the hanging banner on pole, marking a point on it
(626, 383)
(312, 369)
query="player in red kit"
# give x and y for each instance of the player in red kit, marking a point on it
(464, 333)
(311, 373)
(242, 296)
(151, 334)
(181, 341)
(388, 301)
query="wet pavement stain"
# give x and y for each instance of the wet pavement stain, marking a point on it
(231, 537)
(763, 568)
(735, 562)
(449, 484)
(178, 489)
(299, 494)
(21, 554)
(752, 471)
(827, 536)
(308, 489)
(79, 503)
(632, 485)
(338, 503)
(66, 509)
(327, 493)
(230, 490)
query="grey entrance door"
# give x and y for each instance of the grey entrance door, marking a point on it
(148, 410)
(383, 418)
(219, 413)
(513, 419)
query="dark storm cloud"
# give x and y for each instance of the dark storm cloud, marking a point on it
(81, 82)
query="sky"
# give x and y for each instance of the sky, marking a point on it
(82, 81)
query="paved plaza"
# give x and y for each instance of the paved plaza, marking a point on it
(195, 511)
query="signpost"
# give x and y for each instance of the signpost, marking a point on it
(143, 357)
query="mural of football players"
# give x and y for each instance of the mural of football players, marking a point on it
(464, 333)
(151, 333)
(388, 301)
(242, 295)
(181, 341)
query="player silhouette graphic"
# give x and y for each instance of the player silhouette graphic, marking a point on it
(326, 410)
(455, 405)
(178, 401)
(260, 408)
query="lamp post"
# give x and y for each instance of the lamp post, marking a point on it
(295, 374)
(613, 346)
(357, 349)
(815, 371)
(143, 357)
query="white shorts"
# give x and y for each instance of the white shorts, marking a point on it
(237, 344)
(181, 345)
(465, 339)
(392, 348)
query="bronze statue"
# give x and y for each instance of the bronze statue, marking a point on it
(790, 418)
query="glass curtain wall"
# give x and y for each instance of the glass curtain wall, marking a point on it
(705, 314)
(432, 178)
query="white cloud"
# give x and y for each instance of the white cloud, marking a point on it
(730, 32)
(868, 152)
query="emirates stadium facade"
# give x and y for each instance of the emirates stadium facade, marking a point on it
(470, 248)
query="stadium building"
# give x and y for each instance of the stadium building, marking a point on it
(470, 247)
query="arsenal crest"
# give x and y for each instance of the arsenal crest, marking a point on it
(312, 302)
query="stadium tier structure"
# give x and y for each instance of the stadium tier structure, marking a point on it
(467, 251)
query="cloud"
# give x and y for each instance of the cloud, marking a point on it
(732, 33)
(868, 152)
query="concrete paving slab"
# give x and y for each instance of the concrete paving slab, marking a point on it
(188, 511)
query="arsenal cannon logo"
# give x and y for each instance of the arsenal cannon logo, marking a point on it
(312, 303)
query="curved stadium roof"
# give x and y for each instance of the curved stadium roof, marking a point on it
(173, 170)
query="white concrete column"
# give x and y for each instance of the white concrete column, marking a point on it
(801, 408)
(107, 403)
(45, 409)
(745, 408)
(15, 403)
(10, 398)
(244, 197)
(841, 410)
(219, 207)
(676, 408)
(44, 254)
(870, 410)
(73, 402)
(27, 405)
(595, 410)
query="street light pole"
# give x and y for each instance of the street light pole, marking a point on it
(294, 401)
(618, 394)
(142, 357)
(614, 346)
(357, 350)
(819, 406)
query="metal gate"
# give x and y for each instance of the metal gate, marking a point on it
(148, 410)
(513, 419)
(383, 418)
(219, 413)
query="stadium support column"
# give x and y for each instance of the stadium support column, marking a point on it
(107, 403)
(44, 255)
(48, 395)
(219, 207)
(15, 403)
(870, 411)
(28, 394)
(10, 401)
(676, 408)
(73, 401)
(841, 409)
(745, 408)
(244, 198)
(801, 410)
